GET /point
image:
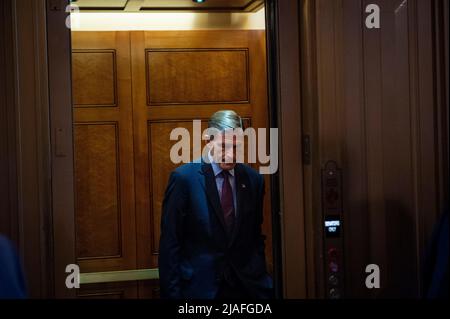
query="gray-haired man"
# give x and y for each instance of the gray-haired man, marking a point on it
(211, 242)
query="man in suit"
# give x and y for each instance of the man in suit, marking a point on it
(211, 243)
(12, 284)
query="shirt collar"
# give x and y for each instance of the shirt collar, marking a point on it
(216, 167)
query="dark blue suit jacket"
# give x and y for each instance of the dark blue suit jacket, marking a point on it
(12, 284)
(196, 253)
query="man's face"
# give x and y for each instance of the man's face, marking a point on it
(224, 150)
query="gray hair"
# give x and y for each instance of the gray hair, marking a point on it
(225, 119)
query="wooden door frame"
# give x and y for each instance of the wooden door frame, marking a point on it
(30, 133)
(285, 107)
(283, 40)
(291, 60)
(61, 128)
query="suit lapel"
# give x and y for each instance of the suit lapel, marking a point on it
(242, 185)
(208, 180)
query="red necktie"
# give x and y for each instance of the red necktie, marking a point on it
(226, 200)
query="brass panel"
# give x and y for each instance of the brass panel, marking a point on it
(116, 276)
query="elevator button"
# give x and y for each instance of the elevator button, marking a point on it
(333, 280)
(334, 267)
(334, 293)
(332, 254)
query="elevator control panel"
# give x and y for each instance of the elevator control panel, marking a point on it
(333, 230)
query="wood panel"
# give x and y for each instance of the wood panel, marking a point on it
(356, 177)
(374, 116)
(400, 153)
(97, 185)
(197, 76)
(104, 162)
(94, 77)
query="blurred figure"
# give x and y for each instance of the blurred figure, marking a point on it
(12, 283)
(436, 262)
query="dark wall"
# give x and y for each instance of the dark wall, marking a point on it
(25, 210)
(8, 192)
(375, 101)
